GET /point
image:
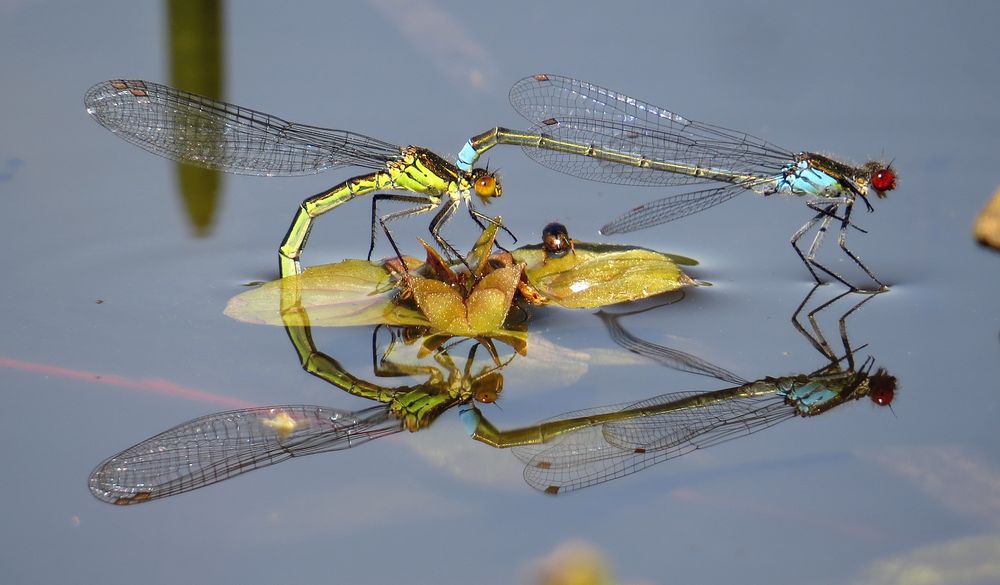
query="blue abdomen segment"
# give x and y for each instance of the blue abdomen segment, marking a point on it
(809, 397)
(803, 179)
(467, 157)
(470, 418)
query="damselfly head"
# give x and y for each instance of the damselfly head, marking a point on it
(882, 387)
(881, 176)
(486, 184)
(487, 389)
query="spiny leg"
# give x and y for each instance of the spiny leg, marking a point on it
(832, 212)
(817, 339)
(798, 235)
(386, 367)
(383, 366)
(848, 351)
(385, 219)
(826, 214)
(819, 343)
(441, 218)
(842, 240)
(298, 232)
(480, 218)
(814, 247)
(824, 224)
(375, 216)
(827, 350)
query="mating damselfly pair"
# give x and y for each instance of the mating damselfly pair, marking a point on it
(579, 128)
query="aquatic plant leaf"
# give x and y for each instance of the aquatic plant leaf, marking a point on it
(436, 267)
(482, 312)
(490, 300)
(345, 294)
(479, 256)
(596, 275)
(442, 304)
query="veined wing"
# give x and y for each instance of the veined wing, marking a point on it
(584, 443)
(641, 437)
(584, 113)
(665, 356)
(670, 208)
(218, 446)
(697, 420)
(187, 127)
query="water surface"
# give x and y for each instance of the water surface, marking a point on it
(113, 299)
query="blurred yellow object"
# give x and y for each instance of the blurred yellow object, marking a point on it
(573, 563)
(987, 226)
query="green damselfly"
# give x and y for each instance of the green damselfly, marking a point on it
(194, 129)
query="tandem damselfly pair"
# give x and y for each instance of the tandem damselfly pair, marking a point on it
(568, 452)
(581, 129)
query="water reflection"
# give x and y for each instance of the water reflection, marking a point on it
(218, 446)
(568, 452)
(587, 447)
(197, 65)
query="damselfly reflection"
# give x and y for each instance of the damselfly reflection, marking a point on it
(587, 447)
(568, 452)
(219, 446)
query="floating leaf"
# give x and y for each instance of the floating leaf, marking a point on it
(348, 293)
(596, 275)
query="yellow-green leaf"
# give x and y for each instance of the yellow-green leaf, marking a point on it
(348, 293)
(442, 304)
(483, 312)
(593, 275)
(490, 300)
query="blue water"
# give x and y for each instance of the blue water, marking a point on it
(112, 308)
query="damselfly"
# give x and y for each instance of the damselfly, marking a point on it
(198, 130)
(596, 133)
(587, 447)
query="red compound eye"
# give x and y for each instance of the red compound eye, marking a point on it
(884, 180)
(882, 388)
(884, 396)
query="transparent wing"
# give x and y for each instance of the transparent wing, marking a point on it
(216, 447)
(643, 434)
(584, 113)
(665, 356)
(700, 420)
(670, 208)
(195, 129)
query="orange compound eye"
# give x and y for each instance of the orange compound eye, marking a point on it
(488, 388)
(486, 186)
